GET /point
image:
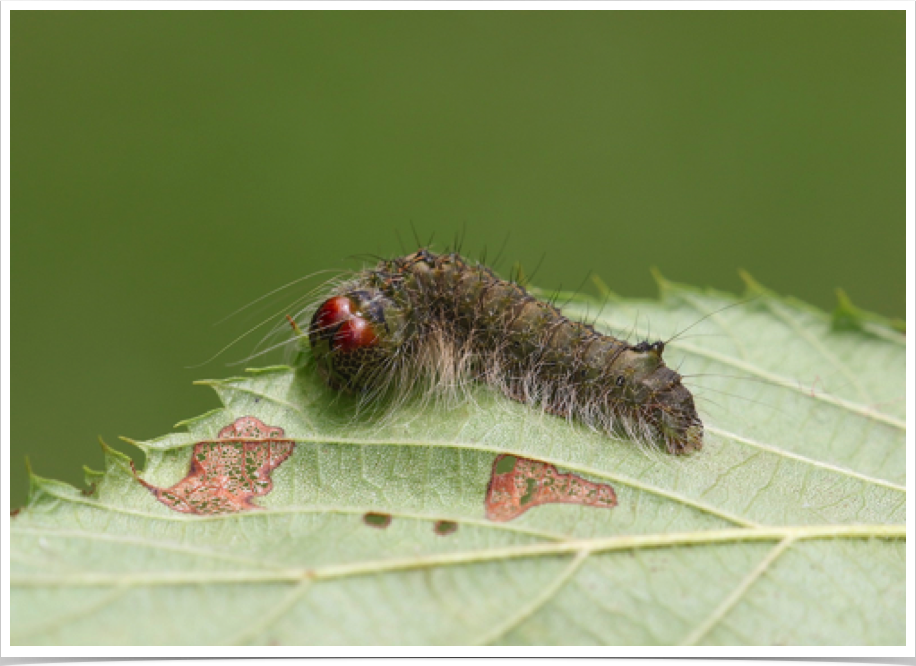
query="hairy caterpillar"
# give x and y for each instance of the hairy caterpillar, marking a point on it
(440, 320)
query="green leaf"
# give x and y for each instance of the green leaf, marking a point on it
(787, 528)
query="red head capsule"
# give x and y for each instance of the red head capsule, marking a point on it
(341, 324)
(332, 312)
(350, 335)
(355, 333)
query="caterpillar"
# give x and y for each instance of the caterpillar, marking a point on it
(442, 321)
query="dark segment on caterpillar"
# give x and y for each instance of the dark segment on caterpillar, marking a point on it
(439, 319)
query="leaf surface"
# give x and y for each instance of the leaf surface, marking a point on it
(787, 528)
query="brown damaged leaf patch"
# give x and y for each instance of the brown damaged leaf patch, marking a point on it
(227, 473)
(377, 520)
(445, 527)
(518, 484)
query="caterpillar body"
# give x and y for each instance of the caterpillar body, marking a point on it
(441, 321)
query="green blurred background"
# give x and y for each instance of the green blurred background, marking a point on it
(173, 166)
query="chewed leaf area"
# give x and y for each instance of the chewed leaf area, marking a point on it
(226, 474)
(518, 484)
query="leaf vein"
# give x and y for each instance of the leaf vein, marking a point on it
(804, 459)
(732, 599)
(536, 603)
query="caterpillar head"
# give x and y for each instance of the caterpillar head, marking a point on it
(351, 335)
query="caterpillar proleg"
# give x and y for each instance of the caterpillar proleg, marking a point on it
(442, 321)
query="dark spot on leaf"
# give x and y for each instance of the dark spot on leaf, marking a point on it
(523, 483)
(445, 527)
(379, 520)
(87, 492)
(227, 473)
(15, 512)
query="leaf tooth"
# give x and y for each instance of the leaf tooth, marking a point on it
(195, 420)
(270, 369)
(752, 286)
(665, 286)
